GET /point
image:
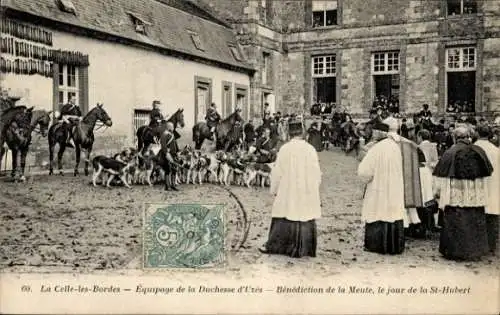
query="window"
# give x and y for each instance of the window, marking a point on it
(324, 66)
(227, 106)
(324, 81)
(324, 13)
(385, 62)
(242, 99)
(386, 80)
(141, 118)
(197, 41)
(235, 52)
(139, 23)
(66, 6)
(265, 67)
(458, 7)
(461, 59)
(203, 97)
(461, 79)
(68, 83)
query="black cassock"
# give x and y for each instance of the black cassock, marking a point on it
(315, 139)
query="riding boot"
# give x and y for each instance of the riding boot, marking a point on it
(69, 140)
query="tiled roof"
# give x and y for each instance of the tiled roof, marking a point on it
(171, 20)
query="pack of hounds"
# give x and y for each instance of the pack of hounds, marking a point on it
(130, 167)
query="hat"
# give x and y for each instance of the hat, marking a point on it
(156, 102)
(392, 122)
(381, 127)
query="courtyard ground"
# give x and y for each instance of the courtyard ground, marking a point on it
(63, 224)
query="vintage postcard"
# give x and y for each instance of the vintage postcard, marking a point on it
(249, 156)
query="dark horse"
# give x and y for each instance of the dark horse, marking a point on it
(83, 136)
(146, 134)
(32, 119)
(223, 131)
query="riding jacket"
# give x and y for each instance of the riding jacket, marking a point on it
(70, 110)
(154, 116)
(212, 117)
(169, 145)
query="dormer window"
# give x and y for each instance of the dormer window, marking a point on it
(66, 6)
(235, 52)
(140, 24)
(196, 40)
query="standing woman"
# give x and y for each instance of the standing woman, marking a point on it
(295, 181)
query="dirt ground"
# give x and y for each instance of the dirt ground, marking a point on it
(63, 224)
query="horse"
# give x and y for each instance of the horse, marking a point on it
(223, 129)
(146, 134)
(36, 118)
(83, 137)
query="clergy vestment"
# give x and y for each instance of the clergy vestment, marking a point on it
(295, 180)
(492, 208)
(460, 182)
(383, 203)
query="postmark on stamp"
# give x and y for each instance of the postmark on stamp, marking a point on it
(183, 236)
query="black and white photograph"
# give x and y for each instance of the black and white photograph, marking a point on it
(250, 156)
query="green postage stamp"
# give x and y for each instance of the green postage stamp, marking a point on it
(183, 236)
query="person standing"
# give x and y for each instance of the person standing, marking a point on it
(314, 136)
(168, 152)
(404, 131)
(460, 179)
(492, 208)
(264, 146)
(425, 113)
(295, 182)
(383, 202)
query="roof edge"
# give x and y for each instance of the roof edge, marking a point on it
(205, 14)
(107, 36)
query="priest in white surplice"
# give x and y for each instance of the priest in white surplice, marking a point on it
(492, 208)
(383, 204)
(295, 181)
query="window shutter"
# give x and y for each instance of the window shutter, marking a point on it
(55, 87)
(83, 82)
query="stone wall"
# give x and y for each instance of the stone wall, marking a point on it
(353, 79)
(422, 69)
(491, 74)
(292, 82)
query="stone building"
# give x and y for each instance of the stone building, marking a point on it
(349, 52)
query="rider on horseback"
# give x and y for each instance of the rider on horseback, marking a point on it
(70, 114)
(213, 119)
(155, 117)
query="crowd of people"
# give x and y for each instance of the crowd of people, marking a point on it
(456, 194)
(410, 190)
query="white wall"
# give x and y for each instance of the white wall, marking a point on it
(125, 78)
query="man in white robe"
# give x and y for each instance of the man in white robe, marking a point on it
(492, 207)
(383, 204)
(295, 181)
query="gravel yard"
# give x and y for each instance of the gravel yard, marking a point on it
(63, 224)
